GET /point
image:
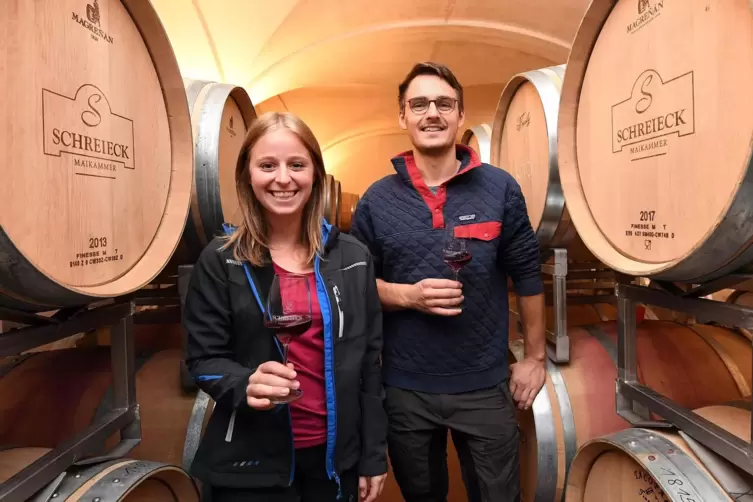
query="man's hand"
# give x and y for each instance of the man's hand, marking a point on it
(526, 379)
(370, 487)
(436, 296)
(270, 380)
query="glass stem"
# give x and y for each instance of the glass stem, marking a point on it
(456, 272)
(285, 353)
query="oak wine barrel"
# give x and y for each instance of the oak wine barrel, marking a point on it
(479, 139)
(740, 297)
(647, 123)
(95, 150)
(121, 480)
(672, 467)
(220, 115)
(348, 204)
(695, 366)
(333, 194)
(578, 314)
(338, 202)
(74, 386)
(619, 469)
(524, 143)
(146, 337)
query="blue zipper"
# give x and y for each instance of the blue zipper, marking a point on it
(329, 374)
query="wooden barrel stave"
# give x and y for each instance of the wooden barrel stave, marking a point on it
(14, 459)
(34, 278)
(479, 138)
(645, 462)
(578, 402)
(740, 297)
(615, 467)
(538, 176)
(35, 390)
(123, 479)
(338, 202)
(172, 422)
(718, 241)
(220, 114)
(332, 196)
(577, 315)
(348, 204)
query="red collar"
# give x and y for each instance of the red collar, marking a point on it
(468, 160)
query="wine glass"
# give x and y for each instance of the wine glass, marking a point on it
(289, 314)
(455, 252)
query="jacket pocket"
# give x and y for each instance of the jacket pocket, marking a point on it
(485, 231)
(260, 442)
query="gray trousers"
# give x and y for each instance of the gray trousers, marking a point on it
(485, 434)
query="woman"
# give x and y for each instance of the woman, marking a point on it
(330, 443)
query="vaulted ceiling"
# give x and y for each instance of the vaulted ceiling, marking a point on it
(337, 63)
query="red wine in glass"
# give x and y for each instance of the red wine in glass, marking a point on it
(455, 252)
(289, 315)
(457, 259)
(288, 327)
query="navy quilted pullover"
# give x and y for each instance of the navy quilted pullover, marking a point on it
(402, 221)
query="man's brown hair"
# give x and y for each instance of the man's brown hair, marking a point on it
(429, 68)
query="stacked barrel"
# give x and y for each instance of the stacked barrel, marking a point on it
(637, 154)
(97, 161)
(478, 138)
(339, 206)
(116, 171)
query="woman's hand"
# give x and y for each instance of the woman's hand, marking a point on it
(271, 379)
(370, 487)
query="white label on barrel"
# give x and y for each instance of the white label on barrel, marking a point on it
(96, 141)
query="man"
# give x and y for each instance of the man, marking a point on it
(445, 342)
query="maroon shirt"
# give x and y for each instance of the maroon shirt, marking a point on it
(306, 352)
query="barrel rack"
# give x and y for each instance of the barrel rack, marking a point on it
(593, 282)
(38, 481)
(162, 297)
(635, 401)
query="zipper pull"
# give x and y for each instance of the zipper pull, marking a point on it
(336, 291)
(230, 427)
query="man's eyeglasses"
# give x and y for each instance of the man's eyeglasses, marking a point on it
(421, 105)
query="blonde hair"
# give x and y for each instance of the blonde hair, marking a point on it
(250, 240)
